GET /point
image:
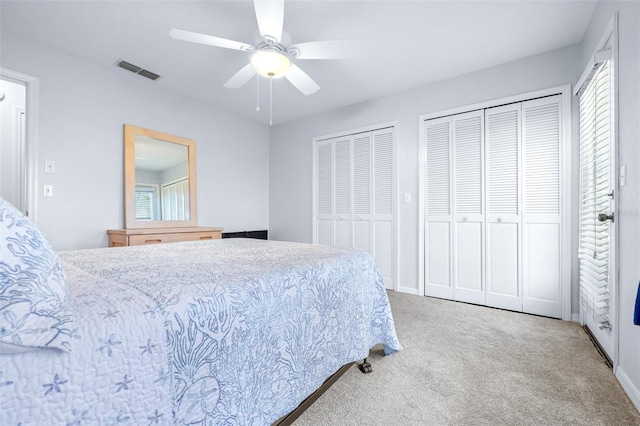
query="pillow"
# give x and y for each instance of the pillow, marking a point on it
(33, 290)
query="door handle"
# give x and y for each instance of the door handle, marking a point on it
(603, 217)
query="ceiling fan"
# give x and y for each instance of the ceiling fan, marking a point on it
(271, 58)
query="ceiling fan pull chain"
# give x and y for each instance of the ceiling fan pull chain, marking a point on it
(257, 92)
(270, 101)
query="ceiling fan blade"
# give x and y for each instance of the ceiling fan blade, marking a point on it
(209, 40)
(301, 80)
(329, 49)
(241, 77)
(270, 16)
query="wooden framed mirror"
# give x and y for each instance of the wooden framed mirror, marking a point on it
(159, 179)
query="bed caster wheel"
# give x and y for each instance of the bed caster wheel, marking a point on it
(365, 367)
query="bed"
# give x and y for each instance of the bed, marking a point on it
(223, 332)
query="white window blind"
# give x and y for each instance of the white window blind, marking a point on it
(595, 187)
(144, 205)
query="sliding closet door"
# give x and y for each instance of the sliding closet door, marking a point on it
(468, 201)
(542, 236)
(438, 219)
(503, 207)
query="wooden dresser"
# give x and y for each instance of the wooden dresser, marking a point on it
(136, 237)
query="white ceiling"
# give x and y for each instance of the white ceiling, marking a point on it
(405, 44)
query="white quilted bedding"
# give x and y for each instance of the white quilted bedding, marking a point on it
(229, 332)
(115, 374)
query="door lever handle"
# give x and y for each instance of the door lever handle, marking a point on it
(603, 217)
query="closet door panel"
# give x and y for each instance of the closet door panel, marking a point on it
(438, 135)
(542, 243)
(502, 269)
(324, 228)
(342, 232)
(469, 262)
(362, 235)
(383, 232)
(438, 273)
(503, 199)
(468, 207)
(542, 272)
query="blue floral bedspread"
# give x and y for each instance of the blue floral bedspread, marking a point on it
(249, 329)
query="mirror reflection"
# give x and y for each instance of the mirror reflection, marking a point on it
(161, 180)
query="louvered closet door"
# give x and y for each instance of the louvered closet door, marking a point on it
(342, 197)
(438, 220)
(324, 193)
(468, 201)
(383, 196)
(542, 236)
(502, 136)
(355, 181)
(362, 193)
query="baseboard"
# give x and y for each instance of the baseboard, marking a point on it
(629, 387)
(408, 290)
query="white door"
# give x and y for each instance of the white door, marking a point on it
(502, 136)
(342, 193)
(597, 223)
(468, 201)
(324, 193)
(541, 215)
(384, 237)
(362, 218)
(438, 219)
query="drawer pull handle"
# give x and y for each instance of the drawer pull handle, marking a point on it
(206, 238)
(152, 241)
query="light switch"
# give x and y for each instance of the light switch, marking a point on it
(623, 175)
(48, 191)
(407, 197)
(49, 166)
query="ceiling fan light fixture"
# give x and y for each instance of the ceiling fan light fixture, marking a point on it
(270, 63)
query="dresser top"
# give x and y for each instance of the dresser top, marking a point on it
(144, 231)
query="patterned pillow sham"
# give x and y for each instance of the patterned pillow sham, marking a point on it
(33, 290)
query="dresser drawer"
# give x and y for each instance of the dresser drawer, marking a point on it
(136, 240)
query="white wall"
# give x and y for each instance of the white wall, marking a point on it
(291, 143)
(629, 196)
(82, 109)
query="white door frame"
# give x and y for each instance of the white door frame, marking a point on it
(565, 181)
(31, 138)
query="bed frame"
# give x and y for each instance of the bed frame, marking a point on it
(292, 416)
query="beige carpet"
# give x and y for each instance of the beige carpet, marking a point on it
(469, 365)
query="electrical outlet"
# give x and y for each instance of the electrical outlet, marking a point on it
(48, 191)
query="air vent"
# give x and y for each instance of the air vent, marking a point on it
(136, 69)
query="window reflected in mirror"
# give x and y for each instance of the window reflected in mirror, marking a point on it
(162, 180)
(160, 187)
